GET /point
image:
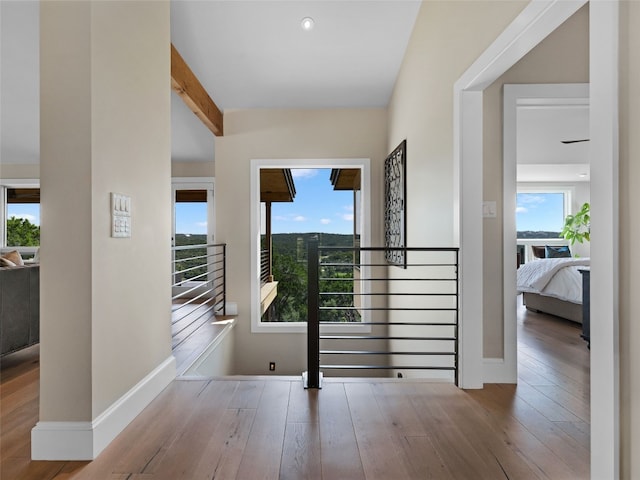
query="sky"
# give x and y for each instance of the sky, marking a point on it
(316, 208)
(29, 211)
(540, 212)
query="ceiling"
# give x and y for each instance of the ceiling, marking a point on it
(541, 155)
(255, 54)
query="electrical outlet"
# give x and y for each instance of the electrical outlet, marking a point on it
(272, 366)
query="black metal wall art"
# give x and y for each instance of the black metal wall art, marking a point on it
(395, 207)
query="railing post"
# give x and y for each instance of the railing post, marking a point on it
(311, 377)
(224, 279)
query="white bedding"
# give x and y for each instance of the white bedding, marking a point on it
(553, 277)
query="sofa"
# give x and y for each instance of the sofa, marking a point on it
(19, 307)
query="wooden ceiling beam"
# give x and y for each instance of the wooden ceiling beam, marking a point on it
(186, 84)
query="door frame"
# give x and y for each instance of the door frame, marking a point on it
(553, 94)
(534, 24)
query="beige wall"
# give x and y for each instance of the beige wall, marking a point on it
(629, 234)
(105, 305)
(447, 38)
(193, 169)
(563, 57)
(286, 134)
(17, 171)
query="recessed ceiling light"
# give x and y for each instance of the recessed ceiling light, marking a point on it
(582, 175)
(307, 23)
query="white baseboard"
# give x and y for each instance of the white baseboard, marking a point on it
(495, 370)
(85, 440)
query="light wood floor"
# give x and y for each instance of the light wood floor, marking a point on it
(255, 428)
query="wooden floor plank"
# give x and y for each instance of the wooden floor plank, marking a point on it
(301, 452)
(223, 453)
(180, 458)
(262, 454)
(378, 451)
(543, 460)
(338, 444)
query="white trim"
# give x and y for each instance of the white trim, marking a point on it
(603, 152)
(85, 440)
(536, 21)
(365, 235)
(494, 370)
(515, 95)
(193, 367)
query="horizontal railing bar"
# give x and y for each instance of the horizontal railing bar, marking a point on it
(367, 352)
(417, 324)
(453, 294)
(190, 301)
(198, 257)
(330, 279)
(359, 265)
(393, 249)
(200, 245)
(182, 317)
(366, 337)
(391, 309)
(195, 320)
(383, 367)
(202, 265)
(182, 294)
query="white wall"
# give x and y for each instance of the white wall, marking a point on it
(278, 134)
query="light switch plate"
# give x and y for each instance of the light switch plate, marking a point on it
(120, 215)
(489, 209)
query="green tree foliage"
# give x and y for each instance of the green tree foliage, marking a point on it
(290, 271)
(22, 233)
(186, 259)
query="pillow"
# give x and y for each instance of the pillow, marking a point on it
(557, 252)
(14, 257)
(539, 251)
(5, 262)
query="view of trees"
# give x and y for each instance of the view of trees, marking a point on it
(189, 262)
(290, 271)
(22, 233)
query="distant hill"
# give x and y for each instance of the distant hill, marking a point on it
(190, 239)
(295, 244)
(538, 234)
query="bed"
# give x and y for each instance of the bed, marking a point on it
(553, 286)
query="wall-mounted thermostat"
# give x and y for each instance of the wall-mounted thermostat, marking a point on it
(120, 215)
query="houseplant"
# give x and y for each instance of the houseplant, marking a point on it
(577, 227)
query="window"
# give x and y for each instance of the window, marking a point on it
(21, 218)
(540, 212)
(287, 228)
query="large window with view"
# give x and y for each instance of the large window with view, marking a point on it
(296, 204)
(540, 214)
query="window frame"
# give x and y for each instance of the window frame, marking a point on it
(257, 325)
(6, 184)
